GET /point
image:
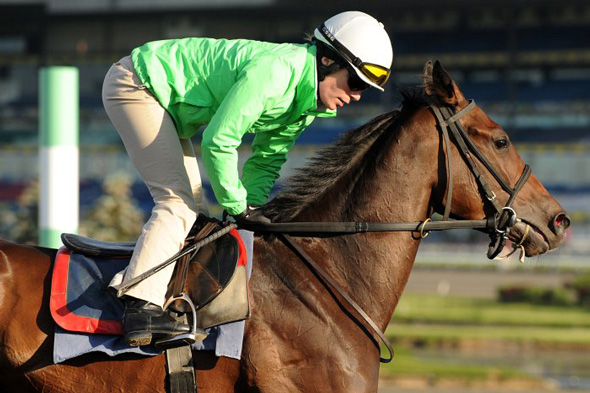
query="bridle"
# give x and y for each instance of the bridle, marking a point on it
(497, 225)
(505, 216)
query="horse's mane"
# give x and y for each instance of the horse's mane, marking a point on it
(331, 163)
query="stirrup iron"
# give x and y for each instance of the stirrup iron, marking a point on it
(174, 341)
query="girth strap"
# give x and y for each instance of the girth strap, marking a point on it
(180, 369)
(316, 269)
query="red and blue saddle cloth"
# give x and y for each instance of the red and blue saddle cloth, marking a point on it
(88, 316)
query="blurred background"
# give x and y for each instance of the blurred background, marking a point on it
(464, 323)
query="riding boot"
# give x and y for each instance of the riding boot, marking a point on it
(143, 320)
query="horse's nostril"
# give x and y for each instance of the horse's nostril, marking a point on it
(561, 222)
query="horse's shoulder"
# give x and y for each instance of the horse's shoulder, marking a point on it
(10, 251)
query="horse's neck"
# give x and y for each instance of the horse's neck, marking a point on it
(376, 267)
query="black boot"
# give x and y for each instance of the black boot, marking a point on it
(143, 320)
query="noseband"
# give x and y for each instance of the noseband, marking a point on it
(504, 217)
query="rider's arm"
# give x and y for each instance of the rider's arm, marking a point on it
(257, 88)
(269, 153)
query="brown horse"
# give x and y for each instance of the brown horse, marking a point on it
(300, 338)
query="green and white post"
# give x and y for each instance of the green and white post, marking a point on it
(58, 172)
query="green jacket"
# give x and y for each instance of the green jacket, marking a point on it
(234, 87)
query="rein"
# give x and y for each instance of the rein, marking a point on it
(497, 225)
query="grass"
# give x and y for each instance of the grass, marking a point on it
(426, 334)
(415, 308)
(405, 365)
(427, 321)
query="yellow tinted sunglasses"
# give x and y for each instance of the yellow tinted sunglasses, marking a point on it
(375, 73)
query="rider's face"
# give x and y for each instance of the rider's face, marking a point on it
(334, 90)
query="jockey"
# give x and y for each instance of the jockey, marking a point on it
(165, 91)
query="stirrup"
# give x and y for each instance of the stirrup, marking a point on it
(178, 340)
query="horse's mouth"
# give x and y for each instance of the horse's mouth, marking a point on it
(536, 241)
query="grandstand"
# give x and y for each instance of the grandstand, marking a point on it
(527, 63)
(503, 52)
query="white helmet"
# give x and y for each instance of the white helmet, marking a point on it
(363, 42)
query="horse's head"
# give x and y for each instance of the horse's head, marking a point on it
(533, 204)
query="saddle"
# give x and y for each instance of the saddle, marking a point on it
(209, 288)
(209, 284)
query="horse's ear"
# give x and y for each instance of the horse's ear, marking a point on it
(437, 81)
(427, 78)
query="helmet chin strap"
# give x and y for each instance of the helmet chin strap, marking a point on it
(324, 71)
(324, 51)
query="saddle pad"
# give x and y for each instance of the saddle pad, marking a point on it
(225, 340)
(80, 300)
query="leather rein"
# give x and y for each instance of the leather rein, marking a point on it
(497, 225)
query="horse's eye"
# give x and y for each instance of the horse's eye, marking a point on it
(501, 143)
